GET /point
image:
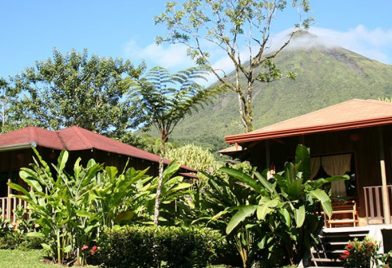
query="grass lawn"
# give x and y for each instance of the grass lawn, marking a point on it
(24, 259)
(33, 259)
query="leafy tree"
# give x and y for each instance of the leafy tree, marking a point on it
(8, 96)
(163, 100)
(239, 28)
(77, 89)
(3, 102)
(145, 141)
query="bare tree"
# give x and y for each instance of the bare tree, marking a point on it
(240, 28)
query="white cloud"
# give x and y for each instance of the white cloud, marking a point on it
(170, 56)
(373, 43)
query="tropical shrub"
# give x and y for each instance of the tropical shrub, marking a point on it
(164, 246)
(71, 209)
(384, 260)
(360, 254)
(174, 197)
(212, 202)
(15, 235)
(71, 204)
(271, 221)
(195, 157)
(5, 227)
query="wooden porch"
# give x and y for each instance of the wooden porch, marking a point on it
(345, 213)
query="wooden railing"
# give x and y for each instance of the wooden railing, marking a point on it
(8, 206)
(374, 203)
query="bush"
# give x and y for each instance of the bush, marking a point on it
(14, 235)
(360, 253)
(136, 246)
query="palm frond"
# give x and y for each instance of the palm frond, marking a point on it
(168, 98)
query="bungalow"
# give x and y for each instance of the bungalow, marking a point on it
(16, 152)
(352, 137)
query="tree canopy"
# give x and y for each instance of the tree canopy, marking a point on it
(241, 29)
(163, 99)
(77, 89)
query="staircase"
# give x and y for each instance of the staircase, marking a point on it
(333, 242)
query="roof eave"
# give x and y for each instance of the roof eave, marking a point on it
(20, 146)
(249, 137)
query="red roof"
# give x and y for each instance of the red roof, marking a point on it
(350, 114)
(71, 139)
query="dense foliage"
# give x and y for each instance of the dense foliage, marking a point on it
(16, 235)
(71, 204)
(271, 221)
(194, 157)
(138, 246)
(360, 254)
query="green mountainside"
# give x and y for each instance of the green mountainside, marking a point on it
(325, 76)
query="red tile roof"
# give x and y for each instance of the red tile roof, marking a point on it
(350, 114)
(71, 139)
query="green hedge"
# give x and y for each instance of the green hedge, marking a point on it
(140, 246)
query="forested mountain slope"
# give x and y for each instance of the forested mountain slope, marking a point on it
(325, 76)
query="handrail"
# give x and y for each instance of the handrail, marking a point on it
(374, 203)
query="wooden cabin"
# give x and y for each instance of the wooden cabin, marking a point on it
(16, 152)
(353, 138)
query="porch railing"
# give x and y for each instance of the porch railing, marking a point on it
(9, 204)
(374, 203)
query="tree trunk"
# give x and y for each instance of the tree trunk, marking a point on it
(164, 138)
(158, 193)
(246, 107)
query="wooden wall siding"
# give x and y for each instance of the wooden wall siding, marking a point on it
(12, 160)
(362, 143)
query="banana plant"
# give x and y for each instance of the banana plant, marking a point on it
(285, 216)
(72, 204)
(215, 204)
(174, 193)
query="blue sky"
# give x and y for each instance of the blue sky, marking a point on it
(29, 30)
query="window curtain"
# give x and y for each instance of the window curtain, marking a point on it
(315, 163)
(337, 165)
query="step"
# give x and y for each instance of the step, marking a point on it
(335, 251)
(337, 243)
(333, 260)
(342, 221)
(320, 266)
(344, 235)
(346, 229)
(333, 243)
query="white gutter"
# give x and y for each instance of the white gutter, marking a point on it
(20, 146)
